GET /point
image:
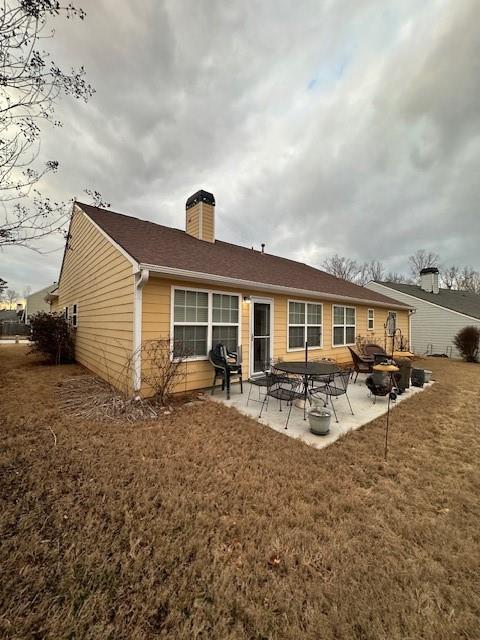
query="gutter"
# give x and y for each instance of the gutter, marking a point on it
(184, 274)
(140, 280)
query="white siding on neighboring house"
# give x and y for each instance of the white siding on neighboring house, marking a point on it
(430, 324)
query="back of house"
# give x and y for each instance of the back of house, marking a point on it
(126, 281)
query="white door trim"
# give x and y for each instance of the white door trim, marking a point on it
(270, 302)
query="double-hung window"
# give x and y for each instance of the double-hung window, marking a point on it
(202, 319)
(74, 315)
(225, 320)
(190, 323)
(343, 325)
(65, 313)
(304, 324)
(371, 319)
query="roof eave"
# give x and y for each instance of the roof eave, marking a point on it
(196, 276)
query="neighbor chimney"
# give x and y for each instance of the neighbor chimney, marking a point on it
(200, 216)
(429, 279)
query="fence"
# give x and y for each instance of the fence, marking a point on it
(13, 328)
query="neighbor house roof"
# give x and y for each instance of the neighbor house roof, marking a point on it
(155, 245)
(461, 301)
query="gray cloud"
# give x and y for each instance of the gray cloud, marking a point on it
(349, 127)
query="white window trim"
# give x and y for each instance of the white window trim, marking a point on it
(368, 319)
(66, 313)
(344, 325)
(74, 315)
(305, 325)
(209, 324)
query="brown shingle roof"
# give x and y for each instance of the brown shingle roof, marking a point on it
(154, 244)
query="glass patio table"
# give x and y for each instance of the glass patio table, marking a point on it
(307, 371)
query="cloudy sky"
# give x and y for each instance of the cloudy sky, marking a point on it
(321, 126)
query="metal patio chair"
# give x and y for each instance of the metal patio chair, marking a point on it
(282, 387)
(334, 389)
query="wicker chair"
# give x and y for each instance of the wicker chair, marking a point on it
(361, 364)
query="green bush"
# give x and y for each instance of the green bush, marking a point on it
(53, 337)
(467, 342)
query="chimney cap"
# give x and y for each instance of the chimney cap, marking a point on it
(428, 270)
(200, 196)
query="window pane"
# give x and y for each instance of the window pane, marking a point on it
(338, 335)
(179, 314)
(202, 307)
(350, 316)
(179, 297)
(296, 314)
(296, 337)
(350, 335)
(314, 314)
(225, 308)
(338, 315)
(314, 336)
(189, 341)
(227, 336)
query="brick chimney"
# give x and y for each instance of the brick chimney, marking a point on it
(429, 279)
(200, 216)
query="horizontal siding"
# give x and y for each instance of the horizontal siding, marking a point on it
(431, 325)
(156, 317)
(99, 279)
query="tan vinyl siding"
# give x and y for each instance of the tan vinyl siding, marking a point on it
(156, 322)
(99, 279)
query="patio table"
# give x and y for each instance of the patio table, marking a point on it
(307, 370)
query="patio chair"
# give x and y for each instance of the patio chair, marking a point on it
(282, 387)
(361, 364)
(226, 366)
(261, 382)
(371, 350)
(334, 389)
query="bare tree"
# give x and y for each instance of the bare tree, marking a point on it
(27, 291)
(450, 276)
(341, 267)
(422, 259)
(12, 296)
(30, 84)
(395, 277)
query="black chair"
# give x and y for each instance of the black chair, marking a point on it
(261, 382)
(226, 366)
(335, 388)
(281, 387)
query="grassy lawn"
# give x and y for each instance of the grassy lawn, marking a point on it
(208, 525)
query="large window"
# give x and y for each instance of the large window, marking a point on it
(304, 324)
(202, 319)
(343, 326)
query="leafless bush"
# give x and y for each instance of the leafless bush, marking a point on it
(164, 367)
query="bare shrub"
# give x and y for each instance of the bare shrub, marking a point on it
(467, 342)
(163, 367)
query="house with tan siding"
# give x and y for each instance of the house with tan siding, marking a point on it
(125, 281)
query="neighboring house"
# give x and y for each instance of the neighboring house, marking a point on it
(439, 313)
(125, 280)
(12, 321)
(38, 301)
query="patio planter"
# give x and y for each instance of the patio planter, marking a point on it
(319, 419)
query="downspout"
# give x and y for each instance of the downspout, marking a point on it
(141, 278)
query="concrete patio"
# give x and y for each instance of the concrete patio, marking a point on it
(362, 404)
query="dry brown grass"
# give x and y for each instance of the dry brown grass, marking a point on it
(208, 525)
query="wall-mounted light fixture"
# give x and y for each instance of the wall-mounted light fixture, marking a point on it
(247, 299)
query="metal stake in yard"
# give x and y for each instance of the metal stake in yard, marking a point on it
(391, 369)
